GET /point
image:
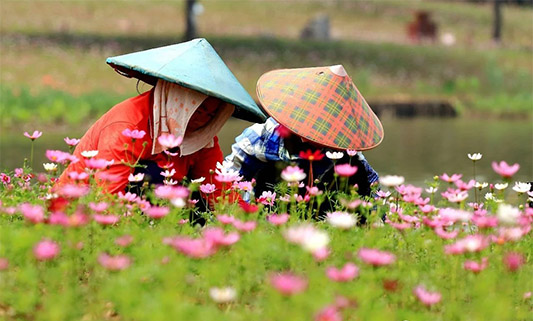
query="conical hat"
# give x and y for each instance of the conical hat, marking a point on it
(320, 104)
(193, 64)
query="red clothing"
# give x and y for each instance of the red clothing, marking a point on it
(106, 136)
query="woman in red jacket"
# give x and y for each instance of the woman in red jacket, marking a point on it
(166, 109)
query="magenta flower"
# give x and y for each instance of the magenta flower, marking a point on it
(450, 179)
(134, 134)
(267, 198)
(71, 141)
(471, 243)
(376, 257)
(288, 283)
(226, 219)
(476, 267)
(244, 226)
(78, 176)
(171, 192)
(504, 170)
(195, 248)
(36, 134)
(157, 212)
(278, 219)
(207, 188)
(321, 254)
(293, 174)
(73, 191)
(345, 170)
(46, 250)
(124, 240)
(106, 219)
(513, 261)
(4, 263)
(33, 213)
(348, 272)
(169, 141)
(425, 297)
(217, 237)
(329, 313)
(114, 263)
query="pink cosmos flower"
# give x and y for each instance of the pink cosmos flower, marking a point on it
(114, 263)
(278, 219)
(106, 219)
(267, 198)
(513, 261)
(351, 152)
(244, 226)
(128, 197)
(217, 237)
(504, 170)
(58, 156)
(226, 219)
(98, 207)
(321, 254)
(244, 186)
(124, 240)
(157, 212)
(71, 141)
(329, 313)
(134, 134)
(455, 196)
(439, 230)
(485, 221)
(4, 178)
(425, 297)
(171, 192)
(475, 266)
(195, 248)
(288, 283)
(345, 170)
(313, 190)
(75, 176)
(347, 273)
(207, 188)
(169, 141)
(450, 179)
(33, 213)
(470, 243)
(465, 186)
(73, 190)
(4, 263)
(46, 250)
(293, 174)
(96, 163)
(376, 257)
(36, 134)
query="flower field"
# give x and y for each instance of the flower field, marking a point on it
(454, 249)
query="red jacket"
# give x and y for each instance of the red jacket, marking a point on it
(106, 136)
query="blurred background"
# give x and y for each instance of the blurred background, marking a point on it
(446, 78)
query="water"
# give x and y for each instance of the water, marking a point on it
(417, 149)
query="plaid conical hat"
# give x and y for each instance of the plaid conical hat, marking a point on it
(193, 64)
(320, 104)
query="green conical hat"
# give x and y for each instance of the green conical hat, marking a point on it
(195, 65)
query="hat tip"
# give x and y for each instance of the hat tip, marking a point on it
(338, 70)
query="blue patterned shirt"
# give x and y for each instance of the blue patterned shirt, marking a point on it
(261, 143)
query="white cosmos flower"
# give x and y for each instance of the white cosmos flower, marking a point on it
(475, 156)
(136, 178)
(432, 190)
(178, 202)
(50, 167)
(198, 180)
(223, 295)
(351, 152)
(508, 214)
(520, 187)
(341, 220)
(489, 196)
(168, 173)
(391, 180)
(481, 185)
(89, 153)
(334, 155)
(501, 186)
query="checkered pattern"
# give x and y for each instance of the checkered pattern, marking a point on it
(321, 106)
